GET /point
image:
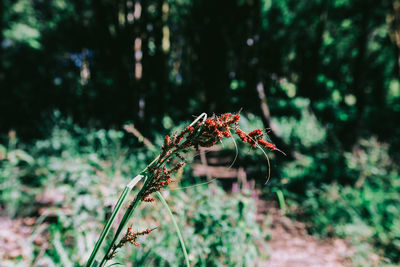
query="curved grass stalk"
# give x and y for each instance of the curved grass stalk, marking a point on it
(178, 231)
(195, 185)
(266, 156)
(236, 151)
(199, 117)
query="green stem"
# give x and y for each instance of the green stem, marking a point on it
(129, 211)
(121, 226)
(178, 231)
(110, 221)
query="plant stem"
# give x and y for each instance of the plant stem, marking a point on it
(178, 231)
(130, 209)
(122, 225)
(110, 221)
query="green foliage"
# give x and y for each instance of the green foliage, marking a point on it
(368, 212)
(353, 195)
(307, 137)
(23, 24)
(218, 229)
(329, 68)
(319, 50)
(304, 132)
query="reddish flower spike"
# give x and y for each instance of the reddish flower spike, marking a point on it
(235, 119)
(225, 116)
(242, 135)
(255, 133)
(227, 134)
(267, 145)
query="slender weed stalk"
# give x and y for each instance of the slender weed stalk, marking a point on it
(202, 132)
(178, 231)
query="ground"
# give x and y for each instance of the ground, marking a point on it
(291, 245)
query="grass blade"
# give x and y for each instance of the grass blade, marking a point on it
(178, 231)
(281, 199)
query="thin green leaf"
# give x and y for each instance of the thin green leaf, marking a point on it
(178, 231)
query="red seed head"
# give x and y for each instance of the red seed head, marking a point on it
(255, 133)
(241, 134)
(227, 134)
(267, 145)
(225, 116)
(235, 119)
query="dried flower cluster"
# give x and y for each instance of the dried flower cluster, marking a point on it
(130, 237)
(200, 134)
(255, 137)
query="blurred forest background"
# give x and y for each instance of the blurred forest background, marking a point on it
(323, 75)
